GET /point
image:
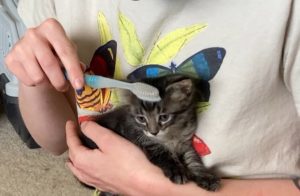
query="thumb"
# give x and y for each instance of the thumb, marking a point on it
(101, 136)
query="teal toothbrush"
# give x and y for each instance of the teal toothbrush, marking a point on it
(143, 91)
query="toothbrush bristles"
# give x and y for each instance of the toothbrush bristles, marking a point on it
(146, 92)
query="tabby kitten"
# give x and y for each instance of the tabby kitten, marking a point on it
(164, 130)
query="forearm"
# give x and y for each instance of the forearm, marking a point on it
(229, 187)
(45, 112)
(263, 187)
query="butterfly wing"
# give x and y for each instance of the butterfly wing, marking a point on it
(148, 71)
(102, 63)
(104, 59)
(204, 64)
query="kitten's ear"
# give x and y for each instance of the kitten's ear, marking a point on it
(180, 91)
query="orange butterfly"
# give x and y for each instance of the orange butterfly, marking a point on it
(102, 63)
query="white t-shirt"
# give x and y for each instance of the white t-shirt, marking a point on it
(252, 127)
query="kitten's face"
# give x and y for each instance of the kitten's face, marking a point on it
(154, 120)
(172, 117)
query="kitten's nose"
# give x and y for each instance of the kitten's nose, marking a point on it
(154, 132)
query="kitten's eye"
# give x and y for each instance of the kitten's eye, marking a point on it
(141, 119)
(164, 118)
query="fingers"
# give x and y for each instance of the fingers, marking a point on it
(19, 71)
(88, 179)
(40, 54)
(82, 161)
(100, 135)
(103, 137)
(82, 177)
(76, 148)
(73, 140)
(65, 50)
(48, 61)
(26, 56)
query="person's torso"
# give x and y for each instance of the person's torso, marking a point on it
(251, 128)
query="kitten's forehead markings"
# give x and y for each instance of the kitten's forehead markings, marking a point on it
(150, 106)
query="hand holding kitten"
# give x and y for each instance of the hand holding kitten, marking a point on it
(119, 161)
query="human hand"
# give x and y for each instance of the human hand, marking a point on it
(118, 166)
(40, 55)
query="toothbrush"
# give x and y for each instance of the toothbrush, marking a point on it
(143, 91)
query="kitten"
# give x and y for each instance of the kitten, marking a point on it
(164, 130)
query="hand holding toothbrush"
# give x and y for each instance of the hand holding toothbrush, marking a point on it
(37, 58)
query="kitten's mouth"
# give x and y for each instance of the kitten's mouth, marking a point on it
(148, 134)
(159, 135)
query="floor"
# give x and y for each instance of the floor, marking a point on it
(32, 172)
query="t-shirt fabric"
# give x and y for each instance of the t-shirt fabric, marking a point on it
(251, 128)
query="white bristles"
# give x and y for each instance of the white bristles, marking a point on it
(145, 92)
(141, 90)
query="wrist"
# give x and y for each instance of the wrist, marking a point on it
(161, 186)
(150, 184)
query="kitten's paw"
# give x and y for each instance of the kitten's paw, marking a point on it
(208, 182)
(176, 176)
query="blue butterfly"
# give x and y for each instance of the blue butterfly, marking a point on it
(203, 65)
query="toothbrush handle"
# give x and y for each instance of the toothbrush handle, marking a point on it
(103, 82)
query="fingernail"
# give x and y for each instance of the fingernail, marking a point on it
(78, 84)
(79, 91)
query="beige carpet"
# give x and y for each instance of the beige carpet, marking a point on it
(28, 172)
